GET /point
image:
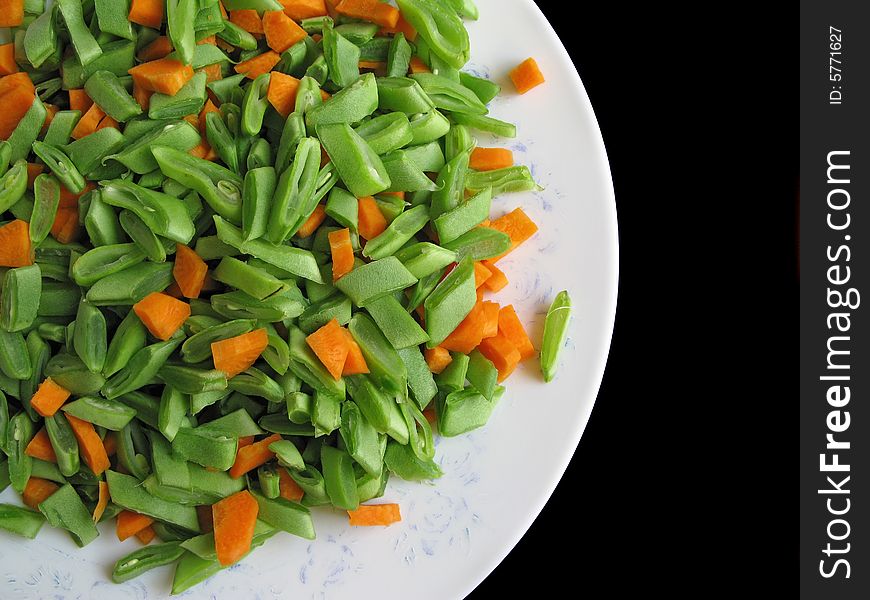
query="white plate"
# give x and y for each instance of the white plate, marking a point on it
(496, 480)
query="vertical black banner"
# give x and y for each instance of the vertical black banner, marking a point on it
(835, 274)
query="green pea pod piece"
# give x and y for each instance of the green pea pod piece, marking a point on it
(277, 353)
(236, 36)
(139, 158)
(101, 221)
(251, 280)
(108, 92)
(84, 44)
(285, 515)
(173, 408)
(292, 133)
(20, 432)
(132, 450)
(163, 214)
(190, 380)
(65, 509)
(555, 334)
(14, 358)
(58, 299)
(220, 138)
(41, 40)
(425, 258)
(420, 432)
(343, 207)
(180, 18)
(110, 414)
(279, 423)
(144, 559)
(260, 155)
(205, 447)
(367, 283)
(46, 197)
(68, 371)
(404, 174)
(484, 89)
(19, 299)
(307, 96)
(189, 100)
(457, 141)
(27, 130)
(387, 369)
(399, 56)
(127, 492)
(219, 187)
(20, 521)
(420, 381)
(239, 305)
(509, 179)
(13, 184)
(294, 192)
(141, 368)
(401, 460)
(397, 325)
(341, 55)
(209, 247)
(361, 439)
(129, 286)
(359, 167)
(128, 339)
(440, 27)
(143, 237)
(450, 302)
(480, 243)
(464, 217)
(90, 336)
(339, 478)
(428, 127)
(350, 105)
(402, 94)
(482, 374)
(197, 348)
(307, 367)
(318, 314)
(298, 407)
(451, 185)
(255, 104)
(64, 443)
(61, 166)
(112, 18)
(104, 261)
(428, 158)
(386, 133)
(253, 382)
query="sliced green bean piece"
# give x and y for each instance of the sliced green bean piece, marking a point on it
(253, 382)
(84, 44)
(101, 222)
(197, 348)
(142, 235)
(397, 234)
(61, 166)
(20, 521)
(361, 439)
(295, 190)
(174, 406)
(20, 432)
(129, 286)
(285, 515)
(464, 217)
(19, 299)
(399, 57)
(141, 368)
(68, 371)
(238, 423)
(349, 105)
(27, 130)
(13, 184)
(180, 20)
(14, 358)
(269, 480)
(401, 460)
(129, 337)
(251, 280)
(126, 492)
(339, 478)
(480, 243)
(144, 559)
(207, 448)
(90, 336)
(106, 90)
(450, 302)
(277, 353)
(555, 334)
(509, 179)
(425, 258)
(64, 443)
(192, 380)
(163, 214)
(305, 365)
(420, 381)
(320, 313)
(189, 100)
(299, 407)
(387, 369)
(64, 509)
(398, 326)
(278, 307)
(482, 374)
(110, 414)
(487, 124)
(360, 168)
(342, 56)
(46, 197)
(374, 280)
(292, 133)
(452, 378)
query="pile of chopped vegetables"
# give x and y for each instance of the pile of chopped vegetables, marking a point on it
(246, 248)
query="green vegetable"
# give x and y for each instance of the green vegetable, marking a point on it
(555, 334)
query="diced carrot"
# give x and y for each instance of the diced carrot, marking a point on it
(88, 123)
(418, 66)
(374, 514)
(141, 95)
(203, 150)
(15, 247)
(402, 26)
(248, 19)
(236, 354)
(189, 271)
(36, 490)
(262, 63)
(281, 31)
(102, 500)
(304, 9)
(437, 358)
(33, 170)
(526, 75)
(16, 102)
(212, 39)
(490, 319)
(91, 446)
(481, 274)
(146, 12)
(11, 13)
(374, 11)
(71, 200)
(49, 397)
(205, 518)
(208, 108)
(378, 67)
(245, 440)
(40, 447)
(282, 92)
(330, 346)
(330, 8)
(223, 10)
(107, 121)
(234, 520)
(110, 443)
(130, 523)
(173, 290)
(342, 253)
(518, 226)
(497, 280)
(372, 222)
(288, 487)
(160, 47)
(490, 159)
(355, 363)
(7, 59)
(313, 222)
(16, 80)
(509, 325)
(212, 72)
(79, 100)
(146, 535)
(468, 333)
(250, 457)
(164, 75)
(163, 315)
(65, 228)
(502, 353)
